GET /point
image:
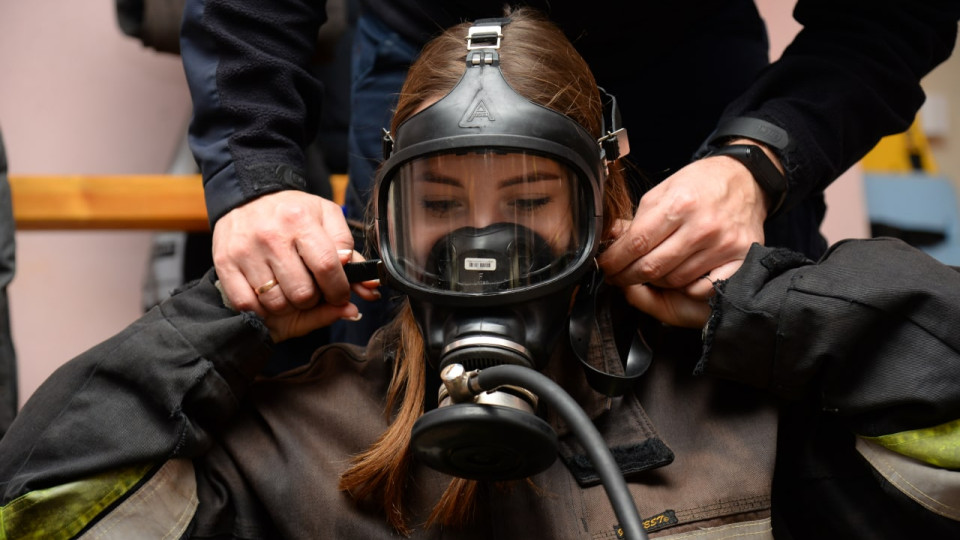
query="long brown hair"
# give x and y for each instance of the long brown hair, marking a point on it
(540, 64)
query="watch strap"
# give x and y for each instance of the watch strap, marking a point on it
(765, 173)
(744, 127)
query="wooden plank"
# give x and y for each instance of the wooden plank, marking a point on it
(153, 202)
(90, 202)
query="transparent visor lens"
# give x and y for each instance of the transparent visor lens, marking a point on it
(484, 221)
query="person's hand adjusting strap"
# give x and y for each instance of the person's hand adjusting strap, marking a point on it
(765, 173)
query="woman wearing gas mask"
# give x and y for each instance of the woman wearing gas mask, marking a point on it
(500, 189)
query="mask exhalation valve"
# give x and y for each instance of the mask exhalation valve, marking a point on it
(483, 435)
(498, 442)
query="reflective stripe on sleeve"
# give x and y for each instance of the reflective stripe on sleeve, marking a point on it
(124, 503)
(936, 489)
(938, 445)
(62, 511)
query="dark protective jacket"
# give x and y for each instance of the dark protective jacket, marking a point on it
(850, 77)
(166, 430)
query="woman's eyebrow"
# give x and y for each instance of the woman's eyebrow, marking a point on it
(435, 177)
(528, 178)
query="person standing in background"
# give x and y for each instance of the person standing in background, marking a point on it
(731, 149)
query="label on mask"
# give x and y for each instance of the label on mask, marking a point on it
(479, 264)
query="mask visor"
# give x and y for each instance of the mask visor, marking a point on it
(481, 222)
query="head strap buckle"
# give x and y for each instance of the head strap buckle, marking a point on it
(485, 36)
(614, 142)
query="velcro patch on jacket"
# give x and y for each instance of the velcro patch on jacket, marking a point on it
(631, 459)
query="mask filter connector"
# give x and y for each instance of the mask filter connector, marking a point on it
(483, 435)
(457, 389)
(483, 351)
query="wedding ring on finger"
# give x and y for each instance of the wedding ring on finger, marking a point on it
(266, 287)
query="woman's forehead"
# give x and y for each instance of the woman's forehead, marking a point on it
(491, 163)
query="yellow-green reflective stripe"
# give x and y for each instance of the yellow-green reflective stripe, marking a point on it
(938, 445)
(62, 511)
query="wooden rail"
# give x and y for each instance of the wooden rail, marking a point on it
(149, 202)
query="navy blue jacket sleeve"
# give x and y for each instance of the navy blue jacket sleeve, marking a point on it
(255, 103)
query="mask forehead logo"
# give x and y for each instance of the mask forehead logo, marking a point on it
(478, 112)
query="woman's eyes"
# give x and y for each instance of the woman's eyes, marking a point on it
(530, 204)
(439, 207)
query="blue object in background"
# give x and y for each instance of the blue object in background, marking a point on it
(920, 209)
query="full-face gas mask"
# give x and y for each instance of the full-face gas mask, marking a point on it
(489, 211)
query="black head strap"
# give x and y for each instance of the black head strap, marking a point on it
(583, 319)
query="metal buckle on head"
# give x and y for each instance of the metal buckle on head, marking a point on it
(482, 56)
(614, 142)
(485, 36)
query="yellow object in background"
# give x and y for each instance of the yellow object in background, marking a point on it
(904, 152)
(338, 183)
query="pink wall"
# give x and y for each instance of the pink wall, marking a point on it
(76, 96)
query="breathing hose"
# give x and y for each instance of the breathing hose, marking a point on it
(613, 482)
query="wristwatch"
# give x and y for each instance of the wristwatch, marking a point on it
(764, 172)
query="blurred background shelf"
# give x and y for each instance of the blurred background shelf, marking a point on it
(115, 202)
(151, 202)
